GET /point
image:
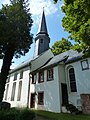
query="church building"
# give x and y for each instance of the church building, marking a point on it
(48, 82)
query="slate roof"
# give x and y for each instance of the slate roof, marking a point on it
(21, 65)
(74, 58)
(66, 57)
(27, 62)
(24, 64)
(43, 26)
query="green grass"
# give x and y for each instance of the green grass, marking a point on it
(61, 116)
(27, 114)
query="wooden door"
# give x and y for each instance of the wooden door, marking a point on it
(64, 94)
(33, 100)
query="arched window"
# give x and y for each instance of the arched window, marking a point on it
(72, 80)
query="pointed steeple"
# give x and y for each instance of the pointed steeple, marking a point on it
(42, 38)
(43, 26)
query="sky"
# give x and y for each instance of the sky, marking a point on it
(54, 17)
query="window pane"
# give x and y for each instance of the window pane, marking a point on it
(6, 91)
(13, 91)
(21, 75)
(8, 79)
(73, 87)
(41, 98)
(72, 80)
(71, 71)
(19, 91)
(50, 74)
(84, 64)
(15, 76)
(41, 77)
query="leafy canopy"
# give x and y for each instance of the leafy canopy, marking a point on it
(15, 26)
(61, 46)
(77, 22)
(15, 36)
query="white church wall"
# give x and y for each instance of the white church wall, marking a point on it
(62, 79)
(82, 82)
(25, 87)
(62, 73)
(24, 91)
(83, 78)
(32, 90)
(51, 93)
(9, 89)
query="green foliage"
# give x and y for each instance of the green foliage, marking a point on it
(17, 114)
(77, 22)
(55, 1)
(26, 114)
(13, 114)
(15, 26)
(15, 36)
(2, 114)
(61, 46)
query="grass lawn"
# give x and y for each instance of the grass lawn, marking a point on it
(61, 116)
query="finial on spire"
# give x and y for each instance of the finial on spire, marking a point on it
(43, 8)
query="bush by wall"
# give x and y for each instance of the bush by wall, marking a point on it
(17, 114)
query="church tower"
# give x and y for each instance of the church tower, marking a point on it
(42, 38)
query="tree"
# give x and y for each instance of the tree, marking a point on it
(61, 46)
(15, 36)
(77, 22)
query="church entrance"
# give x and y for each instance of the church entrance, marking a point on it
(32, 100)
(64, 94)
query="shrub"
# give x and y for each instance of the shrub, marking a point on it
(2, 115)
(17, 114)
(12, 114)
(26, 114)
(4, 106)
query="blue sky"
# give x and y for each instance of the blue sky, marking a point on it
(53, 19)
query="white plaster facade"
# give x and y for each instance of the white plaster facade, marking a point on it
(82, 82)
(52, 89)
(51, 92)
(24, 90)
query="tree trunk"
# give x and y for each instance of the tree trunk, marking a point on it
(5, 68)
